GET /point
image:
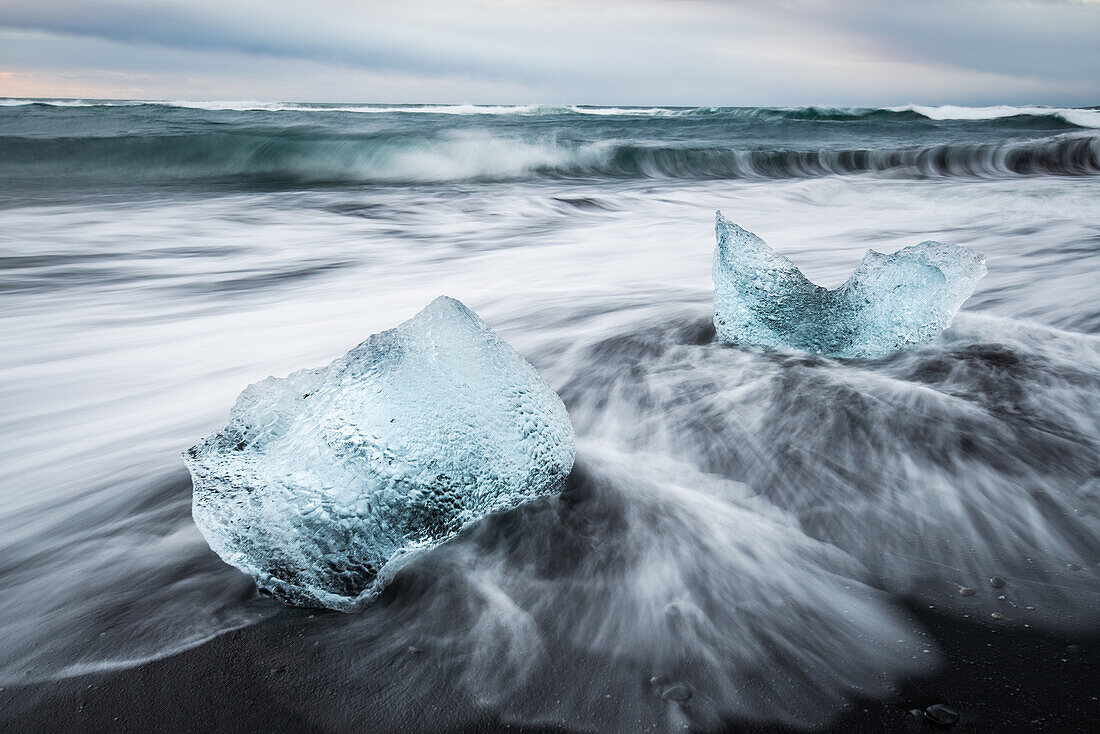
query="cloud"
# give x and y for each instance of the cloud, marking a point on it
(643, 52)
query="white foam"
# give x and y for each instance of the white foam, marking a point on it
(1072, 115)
(21, 102)
(441, 109)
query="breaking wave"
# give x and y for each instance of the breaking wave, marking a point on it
(388, 158)
(1081, 117)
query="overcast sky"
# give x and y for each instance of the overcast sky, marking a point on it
(690, 52)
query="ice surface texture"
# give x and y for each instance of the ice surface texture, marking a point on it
(321, 481)
(890, 301)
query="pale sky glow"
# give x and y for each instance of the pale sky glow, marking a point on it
(691, 52)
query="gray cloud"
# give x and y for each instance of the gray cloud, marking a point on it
(650, 51)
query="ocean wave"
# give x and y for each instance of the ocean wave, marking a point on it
(18, 102)
(389, 158)
(420, 109)
(1080, 117)
(1069, 155)
(1073, 116)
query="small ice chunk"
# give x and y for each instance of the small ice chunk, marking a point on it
(322, 480)
(890, 301)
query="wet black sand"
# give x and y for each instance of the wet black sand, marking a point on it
(999, 676)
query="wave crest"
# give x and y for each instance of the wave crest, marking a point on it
(1081, 117)
(388, 158)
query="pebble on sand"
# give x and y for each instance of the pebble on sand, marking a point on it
(997, 582)
(940, 714)
(678, 692)
(967, 591)
(997, 615)
(659, 680)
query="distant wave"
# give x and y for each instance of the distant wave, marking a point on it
(462, 109)
(296, 156)
(1077, 117)
(16, 102)
(1073, 115)
(420, 109)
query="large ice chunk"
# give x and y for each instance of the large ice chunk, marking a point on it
(321, 481)
(890, 301)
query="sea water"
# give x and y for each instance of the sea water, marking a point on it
(745, 521)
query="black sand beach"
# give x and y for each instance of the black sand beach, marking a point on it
(998, 676)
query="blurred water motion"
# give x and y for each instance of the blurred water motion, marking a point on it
(746, 518)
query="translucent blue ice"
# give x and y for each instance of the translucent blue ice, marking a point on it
(889, 302)
(323, 483)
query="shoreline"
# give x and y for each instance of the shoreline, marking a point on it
(998, 677)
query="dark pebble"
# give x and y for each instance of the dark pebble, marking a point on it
(660, 680)
(997, 582)
(967, 591)
(677, 692)
(1073, 567)
(942, 715)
